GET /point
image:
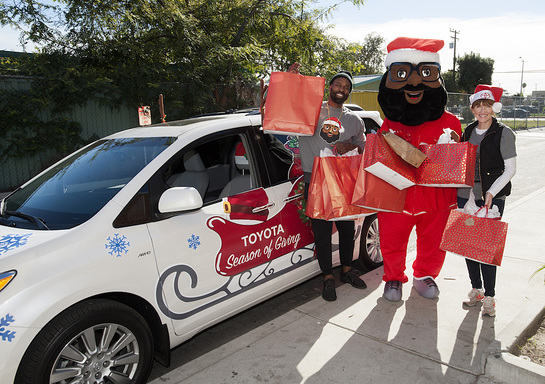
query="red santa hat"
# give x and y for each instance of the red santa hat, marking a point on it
(488, 92)
(334, 122)
(413, 50)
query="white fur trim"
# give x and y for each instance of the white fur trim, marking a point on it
(486, 94)
(411, 56)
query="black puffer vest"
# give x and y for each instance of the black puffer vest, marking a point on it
(491, 162)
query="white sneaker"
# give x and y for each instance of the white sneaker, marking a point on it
(473, 297)
(489, 306)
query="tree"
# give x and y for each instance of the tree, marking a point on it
(473, 70)
(202, 54)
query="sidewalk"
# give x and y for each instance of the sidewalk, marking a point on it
(362, 338)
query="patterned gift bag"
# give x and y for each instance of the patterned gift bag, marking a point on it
(382, 161)
(447, 165)
(477, 238)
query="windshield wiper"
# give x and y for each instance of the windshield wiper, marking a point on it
(40, 223)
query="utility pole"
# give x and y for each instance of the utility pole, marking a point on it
(453, 45)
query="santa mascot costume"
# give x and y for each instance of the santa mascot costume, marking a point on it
(413, 99)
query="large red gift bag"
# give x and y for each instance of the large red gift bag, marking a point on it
(315, 200)
(477, 238)
(293, 103)
(376, 194)
(382, 161)
(333, 180)
(447, 165)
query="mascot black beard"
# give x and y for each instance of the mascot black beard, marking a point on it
(413, 99)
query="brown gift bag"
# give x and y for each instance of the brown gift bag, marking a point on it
(404, 149)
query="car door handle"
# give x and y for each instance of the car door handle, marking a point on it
(291, 198)
(262, 208)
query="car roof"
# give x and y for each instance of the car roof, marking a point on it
(212, 123)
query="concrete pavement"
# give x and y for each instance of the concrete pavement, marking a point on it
(362, 338)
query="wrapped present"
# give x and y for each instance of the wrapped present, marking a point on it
(373, 193)
(293, 104)
(476, 238)
(382, 161)
(447, 165)
(404, 149)
(331, 186)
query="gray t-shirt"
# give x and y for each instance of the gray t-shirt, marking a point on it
(335, 125)
(507, 150)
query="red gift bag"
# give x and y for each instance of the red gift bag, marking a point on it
(333, 180)
(382, 161)
(477, 238)
(315, 201)
(293, 103)
(374, 193)
(447, 165)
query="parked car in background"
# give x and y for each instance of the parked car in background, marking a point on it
(354, 107)
(515, 112)
(138, 241)
(371, 119)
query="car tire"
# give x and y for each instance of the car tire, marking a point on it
(92, 341)
(370, 254)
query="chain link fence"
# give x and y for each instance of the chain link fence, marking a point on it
(517, 113)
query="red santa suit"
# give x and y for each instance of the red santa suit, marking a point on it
(427, 208)
(413, 99)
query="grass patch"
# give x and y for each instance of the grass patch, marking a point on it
(519, 123)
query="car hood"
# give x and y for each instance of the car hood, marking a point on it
(14, 241)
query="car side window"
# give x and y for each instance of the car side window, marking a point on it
(284, 154)
(217, 168)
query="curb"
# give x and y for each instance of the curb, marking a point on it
(501, 364)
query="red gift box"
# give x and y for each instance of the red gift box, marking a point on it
(331, 187)
(477, 238)
(381, 160)
(447, 165)
(293, 103)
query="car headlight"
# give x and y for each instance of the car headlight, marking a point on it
(6, 277)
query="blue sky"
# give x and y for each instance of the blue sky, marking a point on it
(502, 30)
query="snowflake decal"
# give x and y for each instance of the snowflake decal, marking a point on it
(194, 241)
(10, 242)
(117, 245)
(5, 333)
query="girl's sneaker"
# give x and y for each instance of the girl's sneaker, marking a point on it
(489, 306)
(474, 296)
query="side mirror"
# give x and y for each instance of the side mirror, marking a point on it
(180, 199)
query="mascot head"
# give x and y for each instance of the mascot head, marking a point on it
(411, 91)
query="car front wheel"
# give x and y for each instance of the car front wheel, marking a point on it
(370, 254)
(96, 341)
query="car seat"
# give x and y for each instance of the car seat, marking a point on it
(194, 176)
(242, 180)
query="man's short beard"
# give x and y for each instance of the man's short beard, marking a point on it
(396, 108)
(339, 100)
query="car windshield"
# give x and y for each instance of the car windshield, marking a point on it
(77, 188)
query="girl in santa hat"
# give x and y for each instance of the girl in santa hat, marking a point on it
(495, 167)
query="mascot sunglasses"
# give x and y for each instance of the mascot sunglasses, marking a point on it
(401, 71)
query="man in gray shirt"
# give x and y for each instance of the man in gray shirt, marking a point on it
(341, 130)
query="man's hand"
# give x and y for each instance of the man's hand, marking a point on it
(344, 147)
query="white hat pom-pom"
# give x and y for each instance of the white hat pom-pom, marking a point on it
(496, 107)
